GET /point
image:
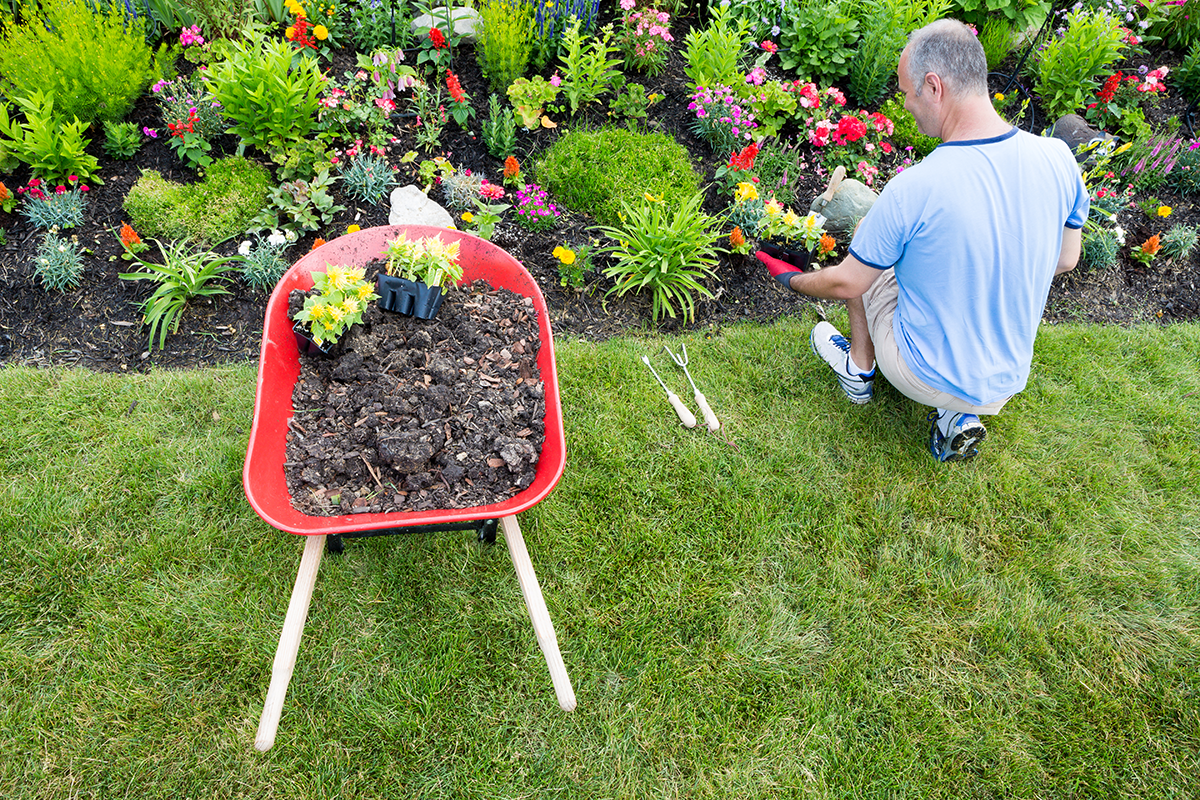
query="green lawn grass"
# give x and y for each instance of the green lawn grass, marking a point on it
(809, 607)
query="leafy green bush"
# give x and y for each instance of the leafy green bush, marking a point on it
(53, 149)
(1185, 178)
(1068, 66)
(595, 171)
(504, 42)
(663, 251)
(1186, 76)
(588, 72)
(714, 53)
(817, 40)
(95, 62)
(270, 104)
(220, 206)
(1021, 14)
(905, 133)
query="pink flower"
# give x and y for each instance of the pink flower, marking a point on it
(83, 188)
(153, 134)
(333, 159)
(555, 81)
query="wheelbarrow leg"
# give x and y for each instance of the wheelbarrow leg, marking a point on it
(289, 642)
(542, 626)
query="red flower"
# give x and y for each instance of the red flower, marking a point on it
(849, 129)
(1110, 88)
(456, 91)
(745, 159)
(438, 39)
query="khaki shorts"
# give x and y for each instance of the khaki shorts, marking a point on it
(880, 304)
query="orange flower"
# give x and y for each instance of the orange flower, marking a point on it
(511, 168)
(4, 192)
(827, 243)
(1150, 246)
(129, 236)
(736, 239)
(317, 243)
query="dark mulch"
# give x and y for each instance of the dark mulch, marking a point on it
(99, 326)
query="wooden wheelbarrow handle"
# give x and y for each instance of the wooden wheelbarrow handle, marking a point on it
(538, 614)
(289, 642)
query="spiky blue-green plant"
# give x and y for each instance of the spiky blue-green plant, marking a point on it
(53, 210)
(58, 264)
(367, 178)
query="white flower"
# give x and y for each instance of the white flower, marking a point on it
(1120, 232)
(244, 248)
(290, 236)
(276, 238)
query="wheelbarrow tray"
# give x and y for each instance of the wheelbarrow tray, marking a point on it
(279, 367)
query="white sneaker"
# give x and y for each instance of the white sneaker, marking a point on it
(834, 350)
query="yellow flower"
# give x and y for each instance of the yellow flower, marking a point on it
(564, 255)
(745, 191)
(773, 208)
(335, 314)
(336, 278)
(790, 219)
(321, 32)
(353, 229)
(363, 290)
(1164, 211)
(349, 305)
(289, 33)
(318, 312)
(468, 217)
(999, 97)
(652, 198)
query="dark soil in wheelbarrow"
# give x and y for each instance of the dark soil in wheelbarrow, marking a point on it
(420, 415)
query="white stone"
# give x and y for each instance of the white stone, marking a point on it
(411, 206)
(464, 19)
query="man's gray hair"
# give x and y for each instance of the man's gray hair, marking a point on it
(950, 50)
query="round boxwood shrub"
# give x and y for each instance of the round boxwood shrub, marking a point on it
(233, 191)
(593, 171)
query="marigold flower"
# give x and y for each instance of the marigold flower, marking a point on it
(1164, 211)
(564, 255)
(353, 229)
(321, 32)
(468, 217)
(128, 235)
(289, 33)
(736, 239)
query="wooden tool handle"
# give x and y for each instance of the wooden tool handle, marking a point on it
(835, 181)
(685, 416)
(542, 626)
(289, 642)
(710, 419)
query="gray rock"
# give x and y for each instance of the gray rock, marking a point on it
(411, 206)
(1074, 130)
(850, 203)
(464, 20)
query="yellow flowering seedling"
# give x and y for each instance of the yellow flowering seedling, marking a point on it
(428, 260)
(344, 294)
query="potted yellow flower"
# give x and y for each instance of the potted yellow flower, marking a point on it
(342, 294)
(416, 271)
(786, 235)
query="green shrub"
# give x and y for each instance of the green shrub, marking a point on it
(505, 40)
(594, 171)
(905, 133)
(95, 63)
(714, 53)
(1068, 66)
(1021, 14)
(1100, 249)
(220, 206)
(1186, 76)
(817, 40)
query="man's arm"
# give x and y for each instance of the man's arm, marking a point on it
(1072, 244)
(842, 281)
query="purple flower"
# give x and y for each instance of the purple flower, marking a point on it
(153, 134)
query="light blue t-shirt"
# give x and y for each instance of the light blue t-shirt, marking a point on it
(974, 232)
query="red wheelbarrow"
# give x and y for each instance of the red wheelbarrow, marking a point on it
(266, 487)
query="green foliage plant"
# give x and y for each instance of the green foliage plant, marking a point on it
(368, 177)
(885, 24)
(1068, 66)
(431, 116)
(998, 37)
(1179, 242)
(370, 24)
(665, 251)
(499, 130)
(630, 101)
(54, 208)
(1186, 77)
(905, 133)
(714, 53)
(181, 276)
(122, 140)
(263, 263)
(302, 160)
(270, 103)
(588, 72)
(504, 40)
(596, 171)
(299, 205)
(772, 105)
(221, 205)
(91, 56)
(817, 39)
(781, 165)
(1100, 249)
(482, 222)
(342, 296)
(462, 188)
(58, 264)
(529, 97)
(52, 148)
(1021, 14)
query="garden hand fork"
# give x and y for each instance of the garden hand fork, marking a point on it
(710, 419)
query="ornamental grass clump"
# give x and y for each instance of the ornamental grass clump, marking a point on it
(57, 264)
(342, 297)
(262, 260)
(664, 251)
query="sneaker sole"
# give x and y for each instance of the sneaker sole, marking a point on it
(963, 446)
